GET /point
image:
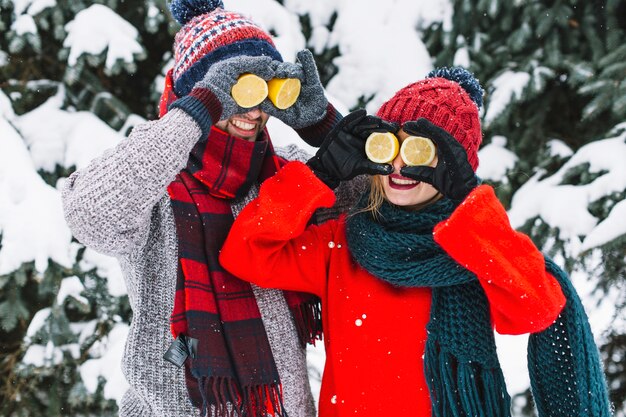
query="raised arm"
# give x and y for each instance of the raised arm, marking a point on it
(108, 204)
(270, 244)
(312, 116)
(523, 296)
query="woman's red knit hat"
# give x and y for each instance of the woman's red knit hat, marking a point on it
(450, 98)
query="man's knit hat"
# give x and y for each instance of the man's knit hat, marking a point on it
(450, 98)
(210, 34)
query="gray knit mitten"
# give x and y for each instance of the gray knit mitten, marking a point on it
(311, 105)
(210, 101)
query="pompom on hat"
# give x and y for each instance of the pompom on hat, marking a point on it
(448, 97)
(210, 34)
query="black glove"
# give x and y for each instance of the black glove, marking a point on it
(342, 154)
(453, 176)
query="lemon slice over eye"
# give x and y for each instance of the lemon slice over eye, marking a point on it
(418, 150)
(381, 147)
(249, 90)
(283, 92)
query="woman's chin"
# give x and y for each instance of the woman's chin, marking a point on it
(409, 196)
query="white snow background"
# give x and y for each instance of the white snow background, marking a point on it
(372, 63)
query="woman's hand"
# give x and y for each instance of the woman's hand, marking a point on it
(342, 155)
(453, 176)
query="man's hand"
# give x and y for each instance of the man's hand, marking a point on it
(342, 155)
(310, 107)
(453, 176)
(210, 101)
(222, 75)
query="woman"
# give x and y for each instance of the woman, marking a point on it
(413, 281)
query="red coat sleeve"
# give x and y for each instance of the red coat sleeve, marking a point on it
(270, 244)
(523, 296)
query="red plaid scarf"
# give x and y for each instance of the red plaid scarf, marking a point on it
(233, 363)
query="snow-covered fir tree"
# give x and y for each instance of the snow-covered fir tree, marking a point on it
(75, 76)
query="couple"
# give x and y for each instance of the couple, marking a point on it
(412, 280)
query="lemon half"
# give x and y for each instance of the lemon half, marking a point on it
(381, 147)
(417, 150)
(249, 90)
(283, 92)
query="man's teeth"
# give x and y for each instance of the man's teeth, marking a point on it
(402, 182)
(243, 125)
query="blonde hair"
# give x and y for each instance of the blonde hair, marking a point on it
(375, 200)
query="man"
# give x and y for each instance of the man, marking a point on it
(162, 202)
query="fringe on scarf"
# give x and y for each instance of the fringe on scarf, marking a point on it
(308, 320)
(460, 389)
(222, 397)
(564, 362)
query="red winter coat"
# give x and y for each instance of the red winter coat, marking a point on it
(375, 333)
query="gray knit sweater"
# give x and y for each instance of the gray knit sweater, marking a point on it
(118, 205)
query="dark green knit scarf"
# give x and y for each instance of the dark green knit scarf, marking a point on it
(461, 364)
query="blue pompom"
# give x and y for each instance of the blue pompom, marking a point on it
(185, 10)
(464, 78)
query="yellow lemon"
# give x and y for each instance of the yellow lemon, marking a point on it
(249, 90)
(283, 92)
(381, 147)
(417, 150)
